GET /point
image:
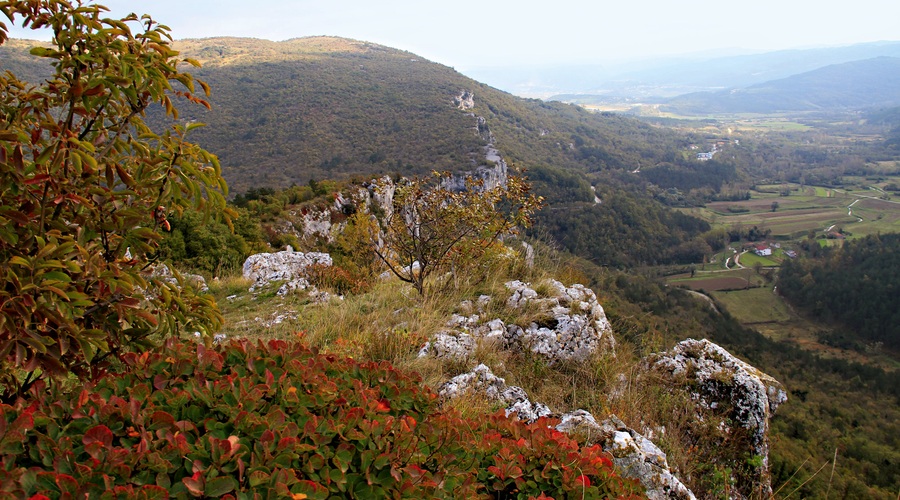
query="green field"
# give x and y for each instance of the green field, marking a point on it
(718, 280)
(756, 305)
(750, 259)
(857, 210)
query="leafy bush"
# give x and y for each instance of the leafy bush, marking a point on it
(85, 190)
(275, 420)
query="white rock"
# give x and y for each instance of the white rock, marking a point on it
(449, 345)
(633, 454)
(580, 325)
(722, 378)
(289, 267)
(482, 380)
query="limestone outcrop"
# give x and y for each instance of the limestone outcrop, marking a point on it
(482, 381)
(634, 455)
(568, 325)
(465, 100)
(290, 268)
(721, 382)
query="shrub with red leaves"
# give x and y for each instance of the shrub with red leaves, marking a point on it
(279, 420)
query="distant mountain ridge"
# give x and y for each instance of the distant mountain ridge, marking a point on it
(674, 76)
(848, 86)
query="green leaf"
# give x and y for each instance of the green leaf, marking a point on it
(42, 52)
(19, 261)
(220, 486)
(87, 349)
(57, 276)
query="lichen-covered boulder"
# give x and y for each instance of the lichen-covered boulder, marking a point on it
(570, 324)
(721, 382)
(482, 381)
(573, 324)
(288, 267)
(634, 455)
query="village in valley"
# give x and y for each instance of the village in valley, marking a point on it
(771, 227)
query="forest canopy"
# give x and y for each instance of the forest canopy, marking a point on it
(855, 285)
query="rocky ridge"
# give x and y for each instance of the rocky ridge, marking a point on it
(721, 382)
(634, 455)
(566, 324)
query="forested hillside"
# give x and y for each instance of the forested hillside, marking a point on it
(286, 113)
(314, 108)
(855, 285)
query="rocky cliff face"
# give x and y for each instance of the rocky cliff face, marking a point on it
(493, 174)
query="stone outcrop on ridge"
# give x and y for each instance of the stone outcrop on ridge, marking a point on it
(569, 325)
(634, 455)
(481, 380)
(288, 267)
(722, 382)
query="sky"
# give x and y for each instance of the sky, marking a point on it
(497, 33)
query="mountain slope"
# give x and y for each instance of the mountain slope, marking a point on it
(326, 107)
(852, 85)
(322, 107)
(318, 108)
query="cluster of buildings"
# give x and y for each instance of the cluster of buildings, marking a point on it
(766, 250)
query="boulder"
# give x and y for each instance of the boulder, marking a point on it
(291, 268)
(634, 455)
(573, 324)
(723, 383)
(482, 381)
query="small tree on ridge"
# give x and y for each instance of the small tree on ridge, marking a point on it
(432, 226)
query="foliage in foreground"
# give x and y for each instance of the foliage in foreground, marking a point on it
(279, 420)
(85, 188)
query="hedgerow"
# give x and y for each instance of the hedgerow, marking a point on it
(279, 420)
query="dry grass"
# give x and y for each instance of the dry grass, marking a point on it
(391, 322)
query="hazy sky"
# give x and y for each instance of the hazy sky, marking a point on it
(514, 32)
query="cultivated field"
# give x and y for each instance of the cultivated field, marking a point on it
(709, 281)
(858, 210)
